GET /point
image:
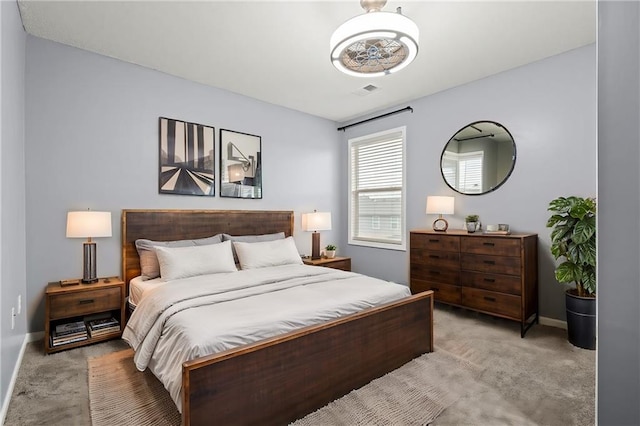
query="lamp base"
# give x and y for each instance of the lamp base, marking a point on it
(315, 245)
(440, 225)
(89, 263)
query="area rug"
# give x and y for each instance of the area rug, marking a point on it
(415, 394)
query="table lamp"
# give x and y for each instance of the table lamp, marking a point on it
(440, 205)
(316, 221)
(88, 224)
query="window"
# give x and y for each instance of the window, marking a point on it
(376, 186)
(463, 171)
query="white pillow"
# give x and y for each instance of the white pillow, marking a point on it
(183, 262)
(267, 253)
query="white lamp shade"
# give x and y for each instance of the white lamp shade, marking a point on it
(88, 224)
(316, 221)
(440, 205)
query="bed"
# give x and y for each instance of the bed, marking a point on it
(281, 378)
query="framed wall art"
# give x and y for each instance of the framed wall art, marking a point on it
(186, 158)
(240, 165)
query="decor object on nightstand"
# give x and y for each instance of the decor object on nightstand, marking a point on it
(574, 238)
(472, 223)
(440, 205)
(375, 43)
(316, 221)
(88, 224)
(330, 251)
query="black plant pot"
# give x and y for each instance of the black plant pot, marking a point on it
(581, 320)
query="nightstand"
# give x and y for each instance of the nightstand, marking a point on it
(343, 263)
(79, 304)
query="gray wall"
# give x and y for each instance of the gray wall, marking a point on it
(12, 186)
(619, 211)
(92, 142)
(550, 109)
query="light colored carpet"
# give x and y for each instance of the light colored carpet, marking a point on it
(541, 379)
(414, 394)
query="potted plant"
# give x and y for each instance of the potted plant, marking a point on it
(330, 251)
(472, 222)
(573, 239)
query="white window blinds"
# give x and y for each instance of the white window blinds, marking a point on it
(377, 194)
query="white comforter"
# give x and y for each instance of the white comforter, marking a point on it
(192, 317)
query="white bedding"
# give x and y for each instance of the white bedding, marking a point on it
(138, 287)
(188, 318)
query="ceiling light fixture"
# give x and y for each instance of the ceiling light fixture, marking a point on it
(376, 43)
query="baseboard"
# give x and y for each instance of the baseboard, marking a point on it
(552, 322)
(14, 377)
(32, 337)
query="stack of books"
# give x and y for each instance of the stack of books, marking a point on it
(69, 333)
(101, 326)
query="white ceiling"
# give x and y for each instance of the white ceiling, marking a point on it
(278, 51)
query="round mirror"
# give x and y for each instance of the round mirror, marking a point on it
(478, 158)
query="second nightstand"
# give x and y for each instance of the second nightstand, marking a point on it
(79, 303)
(343, 263)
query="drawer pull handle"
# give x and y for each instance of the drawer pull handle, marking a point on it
(488, 244)
(490, 262)
(490, 280)
(434, 272)
(490, 299)
(85, 301)
(434, 240)
(434, 256)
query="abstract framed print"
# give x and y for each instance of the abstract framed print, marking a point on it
(240, 165)
(186, 158)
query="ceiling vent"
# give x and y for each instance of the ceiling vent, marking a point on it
(366, 90)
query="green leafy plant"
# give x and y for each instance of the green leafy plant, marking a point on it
(472, 218)
(574, 238)
(330, 247)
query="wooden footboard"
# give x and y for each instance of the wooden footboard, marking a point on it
(279, 380)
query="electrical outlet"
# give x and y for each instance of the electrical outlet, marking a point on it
(19, 304)
(13, 318)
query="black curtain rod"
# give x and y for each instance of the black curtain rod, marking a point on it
(344, 128)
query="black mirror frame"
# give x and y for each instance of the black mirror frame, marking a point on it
(513, 161)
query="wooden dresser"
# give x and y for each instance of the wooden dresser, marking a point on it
(493, 274)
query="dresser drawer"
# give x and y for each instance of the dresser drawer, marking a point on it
(435, 274)
(442, 292)
(492, 302)
(435, 242)
(494, 282)
(491, 245)
(491, 264)
(440, 259)
(84, 302)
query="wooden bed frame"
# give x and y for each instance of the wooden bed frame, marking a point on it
(281, 379)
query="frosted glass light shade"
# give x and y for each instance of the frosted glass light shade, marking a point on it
(440, 205)
(316, 221)
(374, 44)
(88, 224)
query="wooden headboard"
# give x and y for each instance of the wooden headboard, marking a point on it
(171, 225)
